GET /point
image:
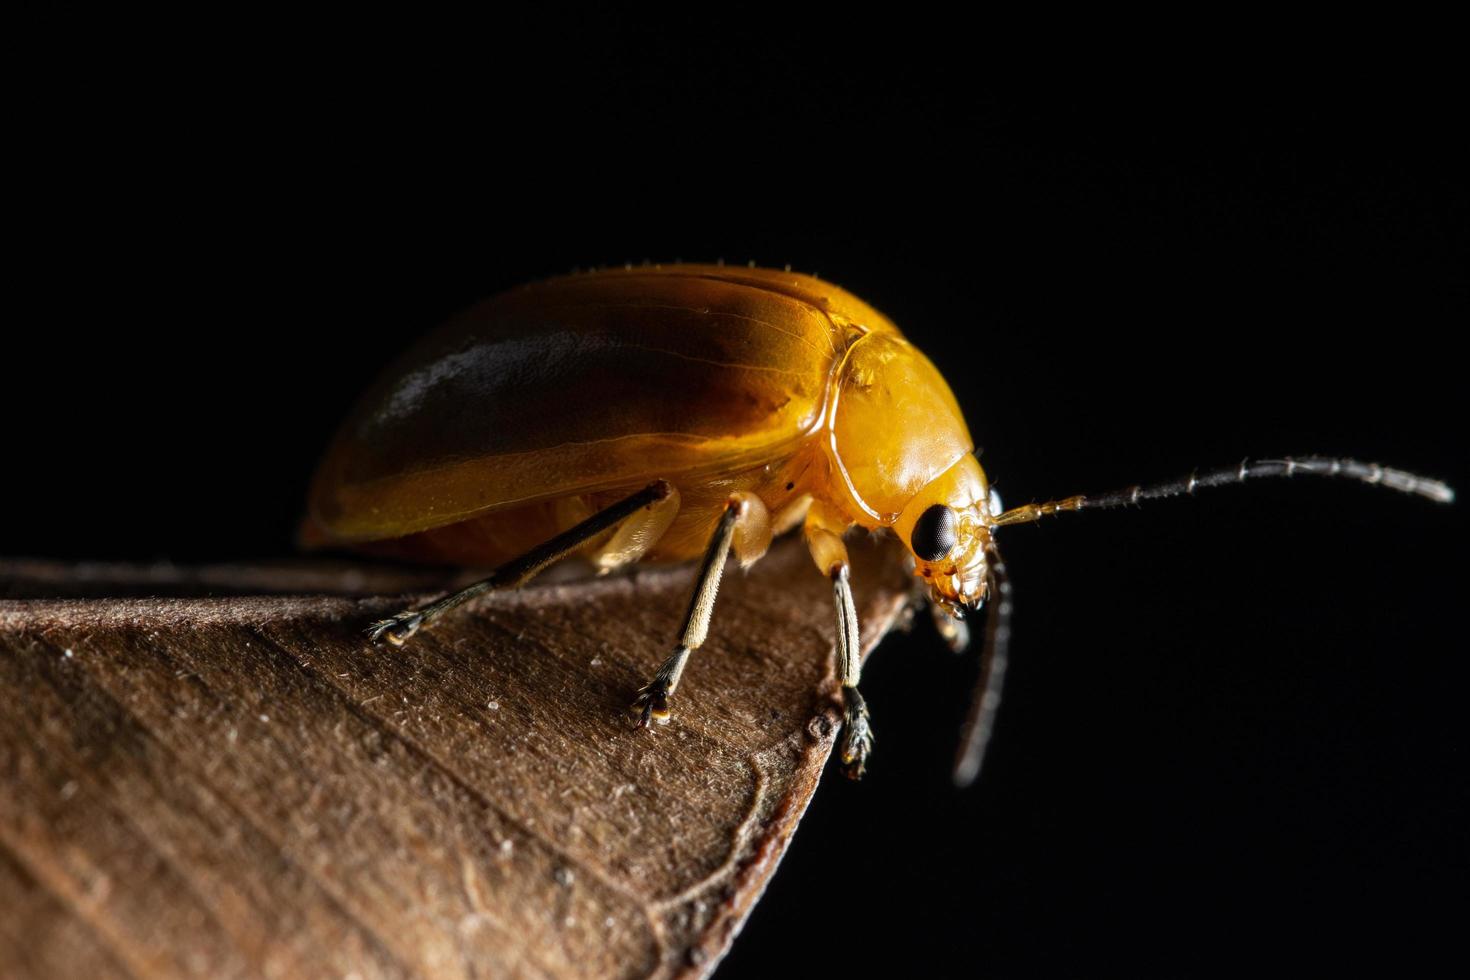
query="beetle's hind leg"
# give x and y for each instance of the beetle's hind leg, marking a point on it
(745, 524)
(659, 498)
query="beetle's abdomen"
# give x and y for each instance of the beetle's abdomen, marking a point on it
(490, 539)
(577, 386)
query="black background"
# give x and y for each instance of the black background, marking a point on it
(1234, 735)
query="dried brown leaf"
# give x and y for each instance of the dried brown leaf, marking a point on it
(241, 786)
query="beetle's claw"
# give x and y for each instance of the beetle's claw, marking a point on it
(651, 705)
(856, 745)
(857, 734)
(396, 629)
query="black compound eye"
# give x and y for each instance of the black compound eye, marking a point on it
(934, 533)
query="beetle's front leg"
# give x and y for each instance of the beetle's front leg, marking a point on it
(950, 626)
(745, 524)
(857, 737)
(823, 538)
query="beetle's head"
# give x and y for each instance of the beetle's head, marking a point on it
(947, 528)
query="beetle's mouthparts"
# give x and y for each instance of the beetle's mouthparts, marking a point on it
(960, 586)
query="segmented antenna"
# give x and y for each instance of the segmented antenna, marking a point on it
(985, 702)
(1351, 469)
(986, 699)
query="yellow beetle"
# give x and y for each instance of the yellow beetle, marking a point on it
(664, 412)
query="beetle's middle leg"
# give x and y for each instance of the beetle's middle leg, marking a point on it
(659, 498)
(745, 524)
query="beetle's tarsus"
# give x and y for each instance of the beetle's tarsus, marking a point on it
(857, 733)
(651, 705)
(652, 702)
(397, 629)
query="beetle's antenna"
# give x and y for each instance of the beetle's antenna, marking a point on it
(984, 703)
(1247, 470)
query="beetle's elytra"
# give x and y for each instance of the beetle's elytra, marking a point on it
(668, 412)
